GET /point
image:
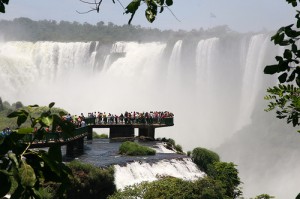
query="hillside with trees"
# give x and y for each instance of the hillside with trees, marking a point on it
(25, 29)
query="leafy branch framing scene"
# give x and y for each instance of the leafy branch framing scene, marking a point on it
(285, 98)
(153, 7)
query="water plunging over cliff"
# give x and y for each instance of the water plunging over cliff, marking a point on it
(214, 86)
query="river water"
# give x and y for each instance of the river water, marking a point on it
(130, 170)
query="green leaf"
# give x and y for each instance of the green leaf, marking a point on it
(25, 130)
(14, 114)
(287, 54)
(161, 9)
(28, 178)
(133, 6)
(278, 38)
(282, 77)
(2, 8)
(55, 153)
(5, 184)
(292, 76)
(13, 158)
(271, 69)
(160, 2)
(21, 119)
(47, 120)
(5, 1)
(18, 193)
(278, 58)
(298, 23)
(294, 48)
(33, 106)
(169, 2)
(61, 113)
(53, 166)
(51, 104)
(46, 114)
(150, 15)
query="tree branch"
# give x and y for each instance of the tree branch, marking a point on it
(97, 6)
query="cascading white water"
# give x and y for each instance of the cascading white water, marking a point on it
(206, 83)
(136, 172)
(205, 55)
(141, 77)
(174, 66)
(252, 78)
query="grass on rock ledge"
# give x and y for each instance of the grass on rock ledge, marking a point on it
(135, 149)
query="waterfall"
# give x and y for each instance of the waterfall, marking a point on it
(252, 77)
(174, 66)
(214, 86)
(206, 69)
(137, 172)
(106, 62)
(204, 57)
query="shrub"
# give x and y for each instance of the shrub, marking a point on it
(189, 153)
(132, 148)
(90, 181)
(203, 158)
(170, 187)
(101, 136)
(227, 174)
(265, 196)
(178, 148)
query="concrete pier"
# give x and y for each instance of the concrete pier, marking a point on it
(148, 131)
(121, 131)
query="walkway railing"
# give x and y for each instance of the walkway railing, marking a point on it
(169, 121)
(51, 137)
(55, 136)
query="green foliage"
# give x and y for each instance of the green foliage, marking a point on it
(131, 8)
(151, 10)
(24, 29)
(264, 196)
(18, 105)
(27, 169)
(134, 149)
(189, 153)
(35, 112)
(228, 175)
(203, 158)
(178, 148)
(286, 101)
(285, 97)
(1, 105)
(90, 181)
(101, 136)
(174, 188)
(209, 188)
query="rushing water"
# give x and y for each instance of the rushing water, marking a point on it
(214, 86)
(130, 170)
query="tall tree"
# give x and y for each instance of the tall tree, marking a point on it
(19, 105)
(1, 105)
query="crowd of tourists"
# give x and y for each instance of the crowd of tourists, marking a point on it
(152, 117)
(6, 131)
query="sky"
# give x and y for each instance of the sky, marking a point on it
(239, 15)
